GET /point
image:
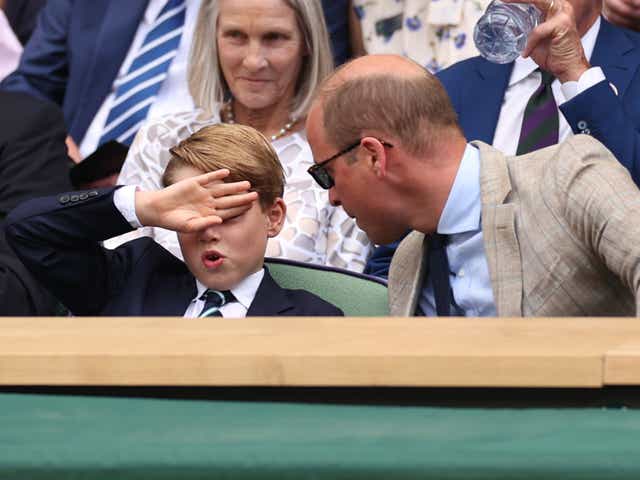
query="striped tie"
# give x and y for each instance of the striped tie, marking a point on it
(213, 302)
(540, 124)
(136, 91)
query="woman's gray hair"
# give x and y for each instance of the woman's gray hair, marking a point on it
(206, 81)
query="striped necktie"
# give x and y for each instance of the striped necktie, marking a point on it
(213, 302)
(137, 90)
(540, 124)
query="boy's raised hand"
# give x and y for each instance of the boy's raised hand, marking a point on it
(194, 203)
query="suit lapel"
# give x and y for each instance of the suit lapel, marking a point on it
(479, 111)
(110, 47)
(616, 54)
(498, 227)
(406, 275)
(270, 299)
(170, 292)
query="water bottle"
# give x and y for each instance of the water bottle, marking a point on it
(501, 33)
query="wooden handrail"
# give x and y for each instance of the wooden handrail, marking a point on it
(487, 352)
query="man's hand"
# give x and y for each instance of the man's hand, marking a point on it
(555, 43)
(194, 203)
(625, 13)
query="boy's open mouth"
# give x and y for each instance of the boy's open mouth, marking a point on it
(212, 259)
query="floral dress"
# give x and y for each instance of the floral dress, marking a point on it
(434, 33)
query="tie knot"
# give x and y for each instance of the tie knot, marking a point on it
(547, 78)
(214, 300)
(438, 240)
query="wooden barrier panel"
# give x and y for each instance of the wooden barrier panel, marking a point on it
(487, 352)
(622, 365)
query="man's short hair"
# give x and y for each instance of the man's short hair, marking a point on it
(414, 109)
(244, 151)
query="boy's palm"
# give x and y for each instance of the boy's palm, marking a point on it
(195, 203)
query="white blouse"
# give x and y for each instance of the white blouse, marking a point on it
(314, 231)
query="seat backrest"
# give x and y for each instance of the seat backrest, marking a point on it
(357, 295)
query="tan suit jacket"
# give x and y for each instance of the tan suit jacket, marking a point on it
(561, 235)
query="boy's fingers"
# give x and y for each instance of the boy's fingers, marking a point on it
(227, 213)
(239, 200)
(206, 178)
(222, 189)
(195, 224)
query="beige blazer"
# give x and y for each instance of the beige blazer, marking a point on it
(561, 234)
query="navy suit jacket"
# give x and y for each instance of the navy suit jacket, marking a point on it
(58, 237)
(74, 55)
(476, 88)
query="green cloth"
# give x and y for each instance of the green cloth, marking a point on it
(67, 437)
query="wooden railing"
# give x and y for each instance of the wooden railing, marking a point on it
(487, 352)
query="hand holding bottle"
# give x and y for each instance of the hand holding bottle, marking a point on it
(555, 44)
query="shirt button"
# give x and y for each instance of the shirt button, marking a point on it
(461, 273)
(582, 125)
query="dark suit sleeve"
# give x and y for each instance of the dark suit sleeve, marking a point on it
(44, 66)
(58, 240)
(612, 120)
(33, 162)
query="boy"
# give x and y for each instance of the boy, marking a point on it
(222, 229)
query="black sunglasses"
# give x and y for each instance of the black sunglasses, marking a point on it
(320, 173)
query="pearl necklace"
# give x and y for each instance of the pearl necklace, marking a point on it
(228, 117)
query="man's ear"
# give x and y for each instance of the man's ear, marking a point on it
(276, 214)
(376, 155)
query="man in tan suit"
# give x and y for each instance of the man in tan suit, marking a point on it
(552, 233)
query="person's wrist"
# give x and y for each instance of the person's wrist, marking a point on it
(573, 72)
(144, 207)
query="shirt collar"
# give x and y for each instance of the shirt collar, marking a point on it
(523, 67)
(244, 292)
(461, 213)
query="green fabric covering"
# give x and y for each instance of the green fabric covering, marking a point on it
(356, 296)
(45, 436)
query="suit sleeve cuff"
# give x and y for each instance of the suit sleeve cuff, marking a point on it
(587, 80)
(124, 200)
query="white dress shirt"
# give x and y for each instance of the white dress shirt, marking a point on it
(468, 268)
(174, 93)
(245, 291)
(10, 48)
(525, 80)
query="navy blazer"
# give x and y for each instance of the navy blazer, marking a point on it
(58, 239)
(477, 86)
(74, 55)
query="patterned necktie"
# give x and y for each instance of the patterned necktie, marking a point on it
(137, 90)
(213, 302)
(438, 265)
(540, 124)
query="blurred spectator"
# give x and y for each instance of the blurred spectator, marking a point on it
(433, 33)
(107, 69)
(22, 16)
(257, 63)
(33, 162)
(10, 48)
(624, 13)
(336, 14)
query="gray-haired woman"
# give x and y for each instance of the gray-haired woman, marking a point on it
(258, 62)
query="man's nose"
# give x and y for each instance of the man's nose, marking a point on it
(333, 197)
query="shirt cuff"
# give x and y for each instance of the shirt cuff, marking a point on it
(587, 80)
(124, 200)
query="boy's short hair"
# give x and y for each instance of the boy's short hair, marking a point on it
(244, 151)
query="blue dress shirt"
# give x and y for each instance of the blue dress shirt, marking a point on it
(461, 221)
